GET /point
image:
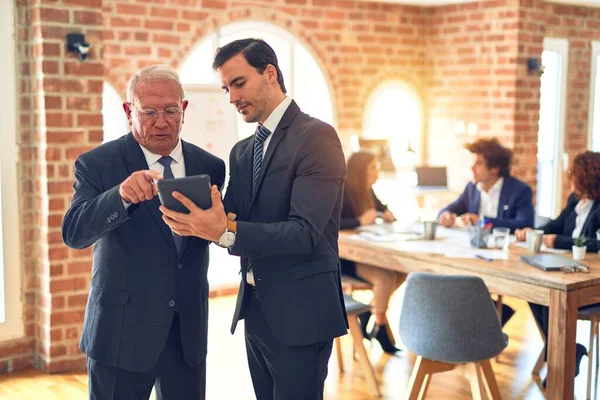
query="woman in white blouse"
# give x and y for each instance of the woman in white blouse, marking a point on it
(581, 216)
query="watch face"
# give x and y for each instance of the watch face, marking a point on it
(227, 239)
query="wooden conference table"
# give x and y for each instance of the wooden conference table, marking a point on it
(563, 293)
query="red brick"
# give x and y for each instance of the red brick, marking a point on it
(78, 268)
(88, 17)
(77, 300)
(66, 318)
(131, 9)
(87, 68)
(14, 349)
(93, 120)
(53, 14)
(153, 24)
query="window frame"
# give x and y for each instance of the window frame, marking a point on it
(11, 269)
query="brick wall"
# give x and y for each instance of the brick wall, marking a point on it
(358, 44)
(61, 102)
(467, 60)
(472, 64)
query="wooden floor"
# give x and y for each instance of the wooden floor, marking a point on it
(228, 377)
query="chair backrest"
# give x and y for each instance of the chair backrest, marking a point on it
(450, 318)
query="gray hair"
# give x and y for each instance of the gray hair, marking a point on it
(157, 72)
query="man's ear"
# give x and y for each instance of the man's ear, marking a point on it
(271, 72)
(127, 110)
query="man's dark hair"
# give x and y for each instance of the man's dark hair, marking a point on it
(256, 51)
(496, 155)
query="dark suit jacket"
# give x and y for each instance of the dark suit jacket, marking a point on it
(564, 225)
(290, 229)
(138, 279)
(515, 208)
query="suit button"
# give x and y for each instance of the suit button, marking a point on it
(179, 265)
(171, 303)
(108, 220)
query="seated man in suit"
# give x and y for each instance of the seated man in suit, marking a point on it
(500, 198)
(503, 200)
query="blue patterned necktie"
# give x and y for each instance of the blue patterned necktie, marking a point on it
(168, 174)
(260, 136)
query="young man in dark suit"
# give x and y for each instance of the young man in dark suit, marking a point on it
(503, 200)
(285, 187)
(147, 312)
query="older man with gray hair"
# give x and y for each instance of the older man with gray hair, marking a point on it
(147, 312)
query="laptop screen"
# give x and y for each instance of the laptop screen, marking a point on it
(431, 176)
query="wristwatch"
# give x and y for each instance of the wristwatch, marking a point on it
(227, 239)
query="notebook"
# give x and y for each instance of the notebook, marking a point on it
(548, 262)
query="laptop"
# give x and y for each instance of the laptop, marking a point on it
(431, 177)
(549, 262)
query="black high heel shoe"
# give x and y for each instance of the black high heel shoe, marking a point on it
(380, 333)
(364, 321)
(580, 351)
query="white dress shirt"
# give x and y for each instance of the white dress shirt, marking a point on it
(271, 124)
(273, 120)
(177, 164)
(488, 201)
(583, 208)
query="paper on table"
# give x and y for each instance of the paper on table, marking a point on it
(390, 237)
(543, 248)
(491, 254)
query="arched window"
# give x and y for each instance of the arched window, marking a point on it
(394, 112)
(302, 75)
(114, 122)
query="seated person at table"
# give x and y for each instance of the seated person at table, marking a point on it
(361, 207)
(503, 200)
(581, 216)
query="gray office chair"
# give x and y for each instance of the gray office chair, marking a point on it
(450, 322)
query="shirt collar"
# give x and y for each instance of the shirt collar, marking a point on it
(496, 188)
(584, 206)
(176, 154)
(275, 117)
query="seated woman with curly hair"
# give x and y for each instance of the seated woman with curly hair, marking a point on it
(581, 216)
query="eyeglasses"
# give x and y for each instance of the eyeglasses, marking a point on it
(569, 269)
(151, 115)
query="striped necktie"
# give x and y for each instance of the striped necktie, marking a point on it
(260, 136)
(168, 174)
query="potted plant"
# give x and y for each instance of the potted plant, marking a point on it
(579, 247)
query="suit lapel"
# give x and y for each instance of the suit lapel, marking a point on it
(278, 135)
(476, 200)
(503, 201)
(245, 172)
(137, 162)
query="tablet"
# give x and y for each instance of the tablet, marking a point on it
(195, 188)
(548, 262)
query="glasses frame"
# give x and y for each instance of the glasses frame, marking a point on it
(146, 119)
